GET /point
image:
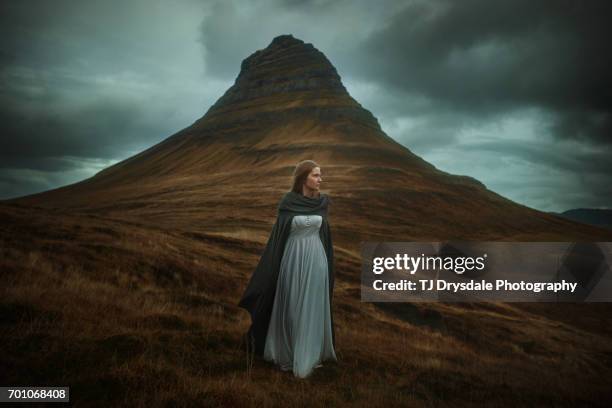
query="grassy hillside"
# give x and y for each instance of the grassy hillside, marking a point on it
(125, 313)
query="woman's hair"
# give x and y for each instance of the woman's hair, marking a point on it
(300, 174)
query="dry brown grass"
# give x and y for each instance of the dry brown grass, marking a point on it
(128, 314)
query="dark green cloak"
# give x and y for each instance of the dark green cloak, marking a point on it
(258, 297)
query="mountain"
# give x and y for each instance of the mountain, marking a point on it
(226, 172)
(125, 286)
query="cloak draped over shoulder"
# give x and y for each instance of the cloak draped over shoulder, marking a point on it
(258, 297)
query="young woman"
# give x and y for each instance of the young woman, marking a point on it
(290, 293)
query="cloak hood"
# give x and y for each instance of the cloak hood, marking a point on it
(258, 297)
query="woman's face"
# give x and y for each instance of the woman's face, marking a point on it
(313, 181)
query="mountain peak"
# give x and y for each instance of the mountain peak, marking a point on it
(288, 54)
(287, 72)
(285, 40)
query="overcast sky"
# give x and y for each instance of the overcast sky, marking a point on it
(517, 94)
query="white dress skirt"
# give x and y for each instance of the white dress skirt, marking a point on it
(299, 336)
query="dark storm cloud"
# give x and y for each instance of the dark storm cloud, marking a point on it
(46, 116)
(105, 130)
(483, 56)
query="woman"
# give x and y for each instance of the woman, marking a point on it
(289, 295)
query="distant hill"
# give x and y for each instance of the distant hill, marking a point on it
(592, 216)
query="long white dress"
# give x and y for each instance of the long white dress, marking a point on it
(299, 336)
